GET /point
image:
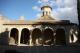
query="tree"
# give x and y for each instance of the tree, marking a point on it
(78, 8)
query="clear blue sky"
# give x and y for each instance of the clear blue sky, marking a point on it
(13, 9)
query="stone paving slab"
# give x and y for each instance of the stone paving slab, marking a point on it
(39, 49)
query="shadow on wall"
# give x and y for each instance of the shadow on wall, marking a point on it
(4, 38)
(11, 51)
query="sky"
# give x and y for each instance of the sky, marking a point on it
(30, 9)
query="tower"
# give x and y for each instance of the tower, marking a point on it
(46, 13)
(46, 10)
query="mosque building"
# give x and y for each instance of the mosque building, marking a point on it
(45, 31)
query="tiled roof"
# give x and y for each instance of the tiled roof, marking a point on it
(26, 22)
(41, 20)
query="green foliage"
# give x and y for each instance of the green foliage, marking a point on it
(78, 7)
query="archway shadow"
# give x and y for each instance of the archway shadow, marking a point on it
(4, 38)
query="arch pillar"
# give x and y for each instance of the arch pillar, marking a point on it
(9, 32)
(19, 36)
(9, 35)
(30, 41)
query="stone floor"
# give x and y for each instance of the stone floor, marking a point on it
(39, 49)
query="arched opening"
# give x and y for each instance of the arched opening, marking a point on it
(48, 36)
(14, 36)
(25, 36)
(73, 36)
(36, 36)
(60, 37)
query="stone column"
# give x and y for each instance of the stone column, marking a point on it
(68, 36)
(30, 42)
(9, 32)
(9, 36)
(19, 36)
